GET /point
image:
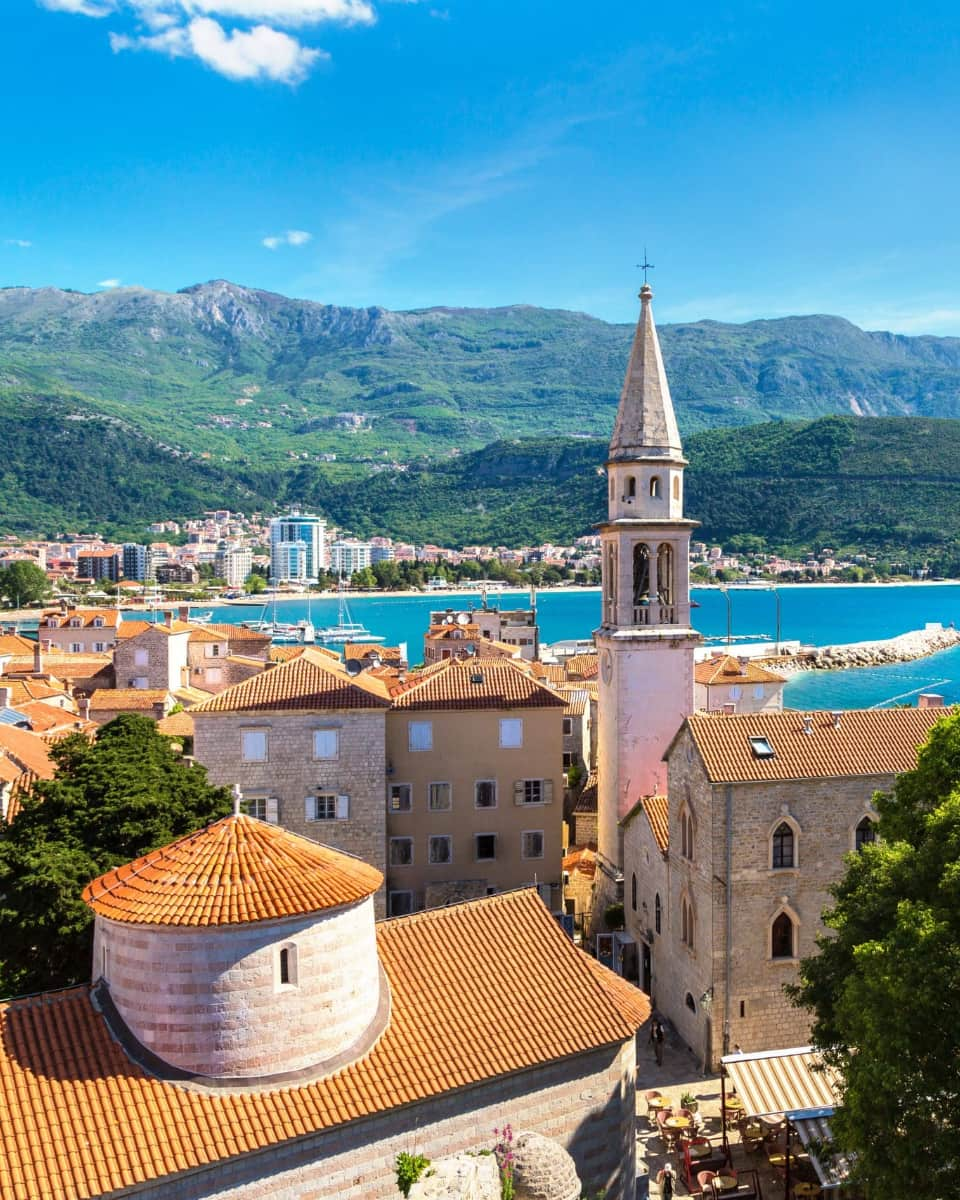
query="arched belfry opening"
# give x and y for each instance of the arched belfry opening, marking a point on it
(641, 575)
(665, 582)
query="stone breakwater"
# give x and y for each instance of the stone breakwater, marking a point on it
(905, 647)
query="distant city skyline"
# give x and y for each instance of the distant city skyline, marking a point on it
(450, 152)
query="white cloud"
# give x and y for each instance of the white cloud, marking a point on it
(21, 243)
(278, 12)
(293, 237)
(109, 283)
(85, 8)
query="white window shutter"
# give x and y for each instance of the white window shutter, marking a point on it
(343, 808)
(546, 786)
(518, 791)
(272, 810)
(309, 809)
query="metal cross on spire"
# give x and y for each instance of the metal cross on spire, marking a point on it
(645, 266)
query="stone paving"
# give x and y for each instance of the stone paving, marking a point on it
(680, 1073)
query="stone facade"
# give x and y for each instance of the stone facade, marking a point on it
(823, 815)
(284, 787)
(154, 658)
(645, 892)
(586, 1103)
(211, 1000)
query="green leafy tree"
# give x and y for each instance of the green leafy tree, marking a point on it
(111, 800)
(364, 578)
(24, 583)
(254, 585)
(884, 987)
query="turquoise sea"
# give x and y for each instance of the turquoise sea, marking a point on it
(821, 615)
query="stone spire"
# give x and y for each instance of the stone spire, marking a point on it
(646, 426)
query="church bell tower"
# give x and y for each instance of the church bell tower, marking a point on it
(645, 641)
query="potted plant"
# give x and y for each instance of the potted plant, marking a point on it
(689, 1101)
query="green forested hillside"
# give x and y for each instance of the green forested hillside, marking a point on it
(251, 377)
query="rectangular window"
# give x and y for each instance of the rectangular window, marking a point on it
(399, 904)
(567, 726)
(440, 849)
(141, 682)
(401, 851)
(511, 733)
(401, 797)
(326, 743)
(99, 647)
(420, 735)
(254, 806)
(485, 847)
(253, 745)
(214, 675)
(215, 650)
(531, 844)
(141, 658)
(758, 691)
(569, 759)
(485, 793)
(322, 807)
(439, 797)
(533, 791)
(76, 647)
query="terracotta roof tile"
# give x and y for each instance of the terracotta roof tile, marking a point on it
(176, 725)
(309, 682)
(582, 666)
(233, 871)
(868, 742)
(629, 999)
(127, 699)
(44, 717)
(727, 668)
(26, 750)
(110, 616)
(358, 650)
(22, 691)
(69, 1087)
(13, 643)
(454, 684)
(657, 810)
(578, 701)
(582, 859)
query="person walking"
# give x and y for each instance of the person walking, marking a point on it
(656, 1036)
(666, 1181)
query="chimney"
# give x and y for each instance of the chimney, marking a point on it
(168, 618)
(6, 696)
(85, 708)
(729, 709)
(38, 658)
(929, 700)
(808, 725)
(743, 661)
(837, 715)
(64, 607)
(184, 611)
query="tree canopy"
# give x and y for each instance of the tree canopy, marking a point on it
(23, 583)
(884, 988)
(111, 800)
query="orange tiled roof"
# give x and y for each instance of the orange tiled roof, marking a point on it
(457, 633)
(132, 629)
(629, 999)
(283, 653)
(176, 725)
(728, 669)
(358, 650)
(577, 701)
(229, 873)
(22, 691)
(13, 643)
(457, 684)
(128, 699)
(202, 633)
(84, 1121)
(582, 859)
(110, 617)
(44, 717)
(583, 666)
(869, 742)
(237, 633)
(309, 682)
(62, 666)
(27, 751)
(657, 809)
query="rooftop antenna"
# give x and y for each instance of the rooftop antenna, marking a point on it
(646, 265)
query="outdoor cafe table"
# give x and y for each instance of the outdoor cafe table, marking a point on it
(699, 1149)
(723, 1183)
(806, 1190)
(779, 1161)
(677, 1123)
(658, 1102)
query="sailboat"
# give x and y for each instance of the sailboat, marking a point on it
(306, 632)
(346, 630)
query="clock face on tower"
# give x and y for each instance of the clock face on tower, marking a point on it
(606, 666)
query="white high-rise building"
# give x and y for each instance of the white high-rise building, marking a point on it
(233, 564)
(298, 547)
(348, 555)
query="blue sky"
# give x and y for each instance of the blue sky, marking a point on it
(774, 157)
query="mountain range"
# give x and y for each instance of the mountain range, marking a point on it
(457, 424)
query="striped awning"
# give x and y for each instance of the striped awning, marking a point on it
(813, 1129)
(781, 1081)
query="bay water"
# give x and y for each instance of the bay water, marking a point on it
(820, 615)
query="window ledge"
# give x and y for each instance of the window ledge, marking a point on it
(783, 962)
(779, 871)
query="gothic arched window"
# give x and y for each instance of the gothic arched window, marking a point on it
(657, 909)
(641, 574)
(864, 834)
(686, 833)
(631, 487)
(783, 847)
(781, 937)
(655, 487)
